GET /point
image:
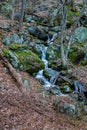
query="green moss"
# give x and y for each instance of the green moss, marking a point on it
(6, 52)
(83, 62)
(30, 61)
(28, 54)
(46, 74)
(17, 47)
(66, 89)
(72, 14)
(77, 54)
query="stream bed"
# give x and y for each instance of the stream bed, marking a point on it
(47, 83)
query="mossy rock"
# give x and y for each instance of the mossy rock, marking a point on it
(66, 89)
(30, 61)
(71, 17)
(77, 54)
(50, 74)
(12, 58)
(17, 47)
(53, 52)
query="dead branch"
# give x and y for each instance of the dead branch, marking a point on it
(13, 73)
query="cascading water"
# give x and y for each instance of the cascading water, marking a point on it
(46, 84)
(40, 75)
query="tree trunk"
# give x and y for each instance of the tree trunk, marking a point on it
(22, 15)
(63, 35)
(12, 17)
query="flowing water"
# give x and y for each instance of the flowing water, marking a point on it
(46, 83)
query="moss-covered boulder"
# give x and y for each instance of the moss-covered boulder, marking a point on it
(72, 15)
(77, 55)
(53, 53)
(17, 47)
(30, 61)
(26, 58)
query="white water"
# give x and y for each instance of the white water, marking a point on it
(46, 84)
(40, 75)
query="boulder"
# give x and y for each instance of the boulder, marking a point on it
(66, 89)
(25, 59)
(14, 38)
(55, 90)
(50, 74)
(77, 54)
(53, 53)
(65, 105)
(38, 32)
(80, 35)
(5, 8)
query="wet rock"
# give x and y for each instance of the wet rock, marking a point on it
(37, 32)
(66, 89)
(53, 53)
(50, 74)
(55, 90)
(39, 48)
(78, 87)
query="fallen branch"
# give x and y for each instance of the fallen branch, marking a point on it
(13, 73)
(55, 80)
(62, 77)
(66, 79)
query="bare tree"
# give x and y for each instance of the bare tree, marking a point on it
(23, 5)
(12, 16)
(65, 48)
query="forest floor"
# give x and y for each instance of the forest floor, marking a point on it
(31, 110)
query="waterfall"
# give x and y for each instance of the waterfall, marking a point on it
(46, 84)
(40, 75)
